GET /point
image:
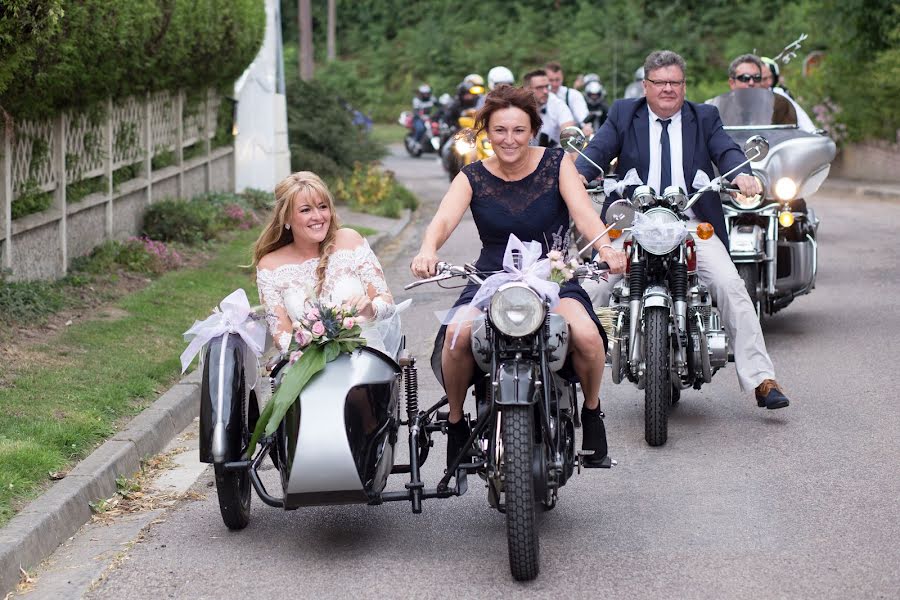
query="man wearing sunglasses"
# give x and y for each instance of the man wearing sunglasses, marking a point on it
(667, 139)
(745, 72)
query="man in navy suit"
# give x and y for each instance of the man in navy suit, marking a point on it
(667, 140)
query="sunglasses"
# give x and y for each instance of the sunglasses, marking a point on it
(748, 78)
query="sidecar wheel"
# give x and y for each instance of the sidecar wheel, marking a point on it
(233, 488)
(658, 388)
(521, 518)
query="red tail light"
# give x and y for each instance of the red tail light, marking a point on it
(690, 252)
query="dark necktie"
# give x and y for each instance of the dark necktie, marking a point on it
(665, 169)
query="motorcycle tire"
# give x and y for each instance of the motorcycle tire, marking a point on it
(521, 516)
(657, 386)
(409, 144)
(233, 487)
(749, 272)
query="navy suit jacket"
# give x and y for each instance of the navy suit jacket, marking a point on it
(626, 134)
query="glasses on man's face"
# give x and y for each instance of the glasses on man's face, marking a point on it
(661, 84)
(542, 87)
(745, 78)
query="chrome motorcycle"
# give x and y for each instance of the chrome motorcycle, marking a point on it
(773, 235)
(523, 438)
(665, 333)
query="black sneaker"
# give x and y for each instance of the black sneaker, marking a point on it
(769, 395)
(593, 436)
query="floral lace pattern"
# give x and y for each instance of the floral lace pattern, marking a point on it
(517, 196)
(284, 290)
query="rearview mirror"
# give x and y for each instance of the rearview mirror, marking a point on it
(620, 215)
(572, 139)
(756, 148)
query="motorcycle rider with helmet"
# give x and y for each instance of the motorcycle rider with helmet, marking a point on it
(498, 75)
(635, 89)
(595, 96)
(422, 103)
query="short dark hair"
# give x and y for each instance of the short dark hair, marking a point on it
(661, 59)
(553, 66)
(509, 96)
(532, 74)
(744, 58)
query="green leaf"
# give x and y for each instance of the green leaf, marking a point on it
(332, 349)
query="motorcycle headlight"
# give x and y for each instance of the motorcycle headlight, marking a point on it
(516, 310)
(463, 146)
(659, 230)
(785, 188)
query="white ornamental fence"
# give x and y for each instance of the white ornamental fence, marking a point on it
(70, 183)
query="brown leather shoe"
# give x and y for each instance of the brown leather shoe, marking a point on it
(769, 394)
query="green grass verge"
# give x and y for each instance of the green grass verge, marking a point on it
(97, 372)
(362, 229)
(388, 133)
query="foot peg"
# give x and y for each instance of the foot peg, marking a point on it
(584, 461)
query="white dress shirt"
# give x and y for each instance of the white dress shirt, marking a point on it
(553, 114)
(654, 172)
(575, 101)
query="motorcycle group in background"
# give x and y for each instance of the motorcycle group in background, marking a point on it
(337, 444)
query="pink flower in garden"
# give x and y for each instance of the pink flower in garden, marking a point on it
(303, 337)
(295, 356)
(348, 322)
(318, 329)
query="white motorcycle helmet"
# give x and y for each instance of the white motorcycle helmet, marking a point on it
(499, 75)
(589, 78)
(595, 90)
(639, 74)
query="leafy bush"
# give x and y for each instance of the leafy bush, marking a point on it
(138, 255)
(371, 190)
(31, 200)
(60, 54)
(188, 222)
(259, 199)
(24, 302)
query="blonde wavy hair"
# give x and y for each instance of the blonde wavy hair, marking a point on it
(274, 235)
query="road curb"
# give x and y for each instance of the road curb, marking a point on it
(862, 190)
(56, 515)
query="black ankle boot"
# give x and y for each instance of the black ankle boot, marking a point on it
(457, 436)
(593, 436)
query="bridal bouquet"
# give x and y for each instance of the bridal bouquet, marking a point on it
(320, 335)
(560, 270)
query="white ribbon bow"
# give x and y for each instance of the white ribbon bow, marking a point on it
(534, 271)
(611, 185)
(701, 180)
(234, 317)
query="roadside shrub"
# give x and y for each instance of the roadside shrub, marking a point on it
(235, 215)
(25, 302)
(138, 255)
(371, 190)
(181, 221)
(259, 199)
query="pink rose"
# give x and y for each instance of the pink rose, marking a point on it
(313, 314)
(295, 356)
(348, 322)
(318, 329)
(303, 337)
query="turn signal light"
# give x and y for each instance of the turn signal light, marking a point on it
(705, 231)
(614, 234)
(786, 218)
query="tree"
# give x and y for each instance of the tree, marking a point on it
(304, 18)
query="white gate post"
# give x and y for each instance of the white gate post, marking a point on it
(208, 133)
(148, 148)
(109, 169)
(59, 196)
(179, 143)
(6, 194)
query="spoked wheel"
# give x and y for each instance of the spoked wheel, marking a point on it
(521, 517)
(233, 487)
(749, 272)
(658, 387)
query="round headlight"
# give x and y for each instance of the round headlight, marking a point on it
(785, 189)
(463, 146)
(516, 310)
(659, 231)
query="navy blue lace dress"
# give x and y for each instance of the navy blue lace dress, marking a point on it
(532, 208)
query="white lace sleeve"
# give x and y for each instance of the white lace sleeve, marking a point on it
(371, 274)
(276, 316)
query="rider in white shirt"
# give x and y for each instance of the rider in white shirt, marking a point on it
(572, 98)
(554, 112)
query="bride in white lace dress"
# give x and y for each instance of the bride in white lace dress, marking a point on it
(303, 254)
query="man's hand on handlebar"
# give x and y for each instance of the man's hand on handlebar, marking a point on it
(748, 184)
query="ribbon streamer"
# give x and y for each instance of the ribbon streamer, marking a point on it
(534, 271)
(701, 180)
(611, 185)
(234, 316)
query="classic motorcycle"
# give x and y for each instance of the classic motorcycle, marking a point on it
(336, 443)
(465, 146)
(666, 334)
(430, 140)
(773, 235)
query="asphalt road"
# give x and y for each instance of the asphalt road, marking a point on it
(740, 503)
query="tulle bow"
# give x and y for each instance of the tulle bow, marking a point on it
(611, 185)
(233, 317)
(701, 180)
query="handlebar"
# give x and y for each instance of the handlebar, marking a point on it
(448, 271)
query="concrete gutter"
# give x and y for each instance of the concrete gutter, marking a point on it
(862, 190)
(34, 533)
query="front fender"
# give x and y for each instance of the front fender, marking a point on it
(515, 383)
(657, 295)
(222, 398)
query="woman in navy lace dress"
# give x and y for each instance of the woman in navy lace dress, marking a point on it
(530, 192)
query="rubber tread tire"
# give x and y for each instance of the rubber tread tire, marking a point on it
(233, 487)
(521, 516)
(657, 386)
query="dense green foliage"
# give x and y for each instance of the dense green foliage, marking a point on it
(387, 47)
(60, 54)
(182, 221)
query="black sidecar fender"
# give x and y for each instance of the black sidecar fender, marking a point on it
(223, 399)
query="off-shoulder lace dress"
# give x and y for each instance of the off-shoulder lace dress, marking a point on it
(284, 290)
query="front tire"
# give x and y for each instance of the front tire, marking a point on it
(657, 388)
(521, 516)
(233, 487)
(749, 272)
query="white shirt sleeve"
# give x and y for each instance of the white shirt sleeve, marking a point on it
(578, 105)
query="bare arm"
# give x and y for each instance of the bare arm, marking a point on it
(450, 212)
(586, 218)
